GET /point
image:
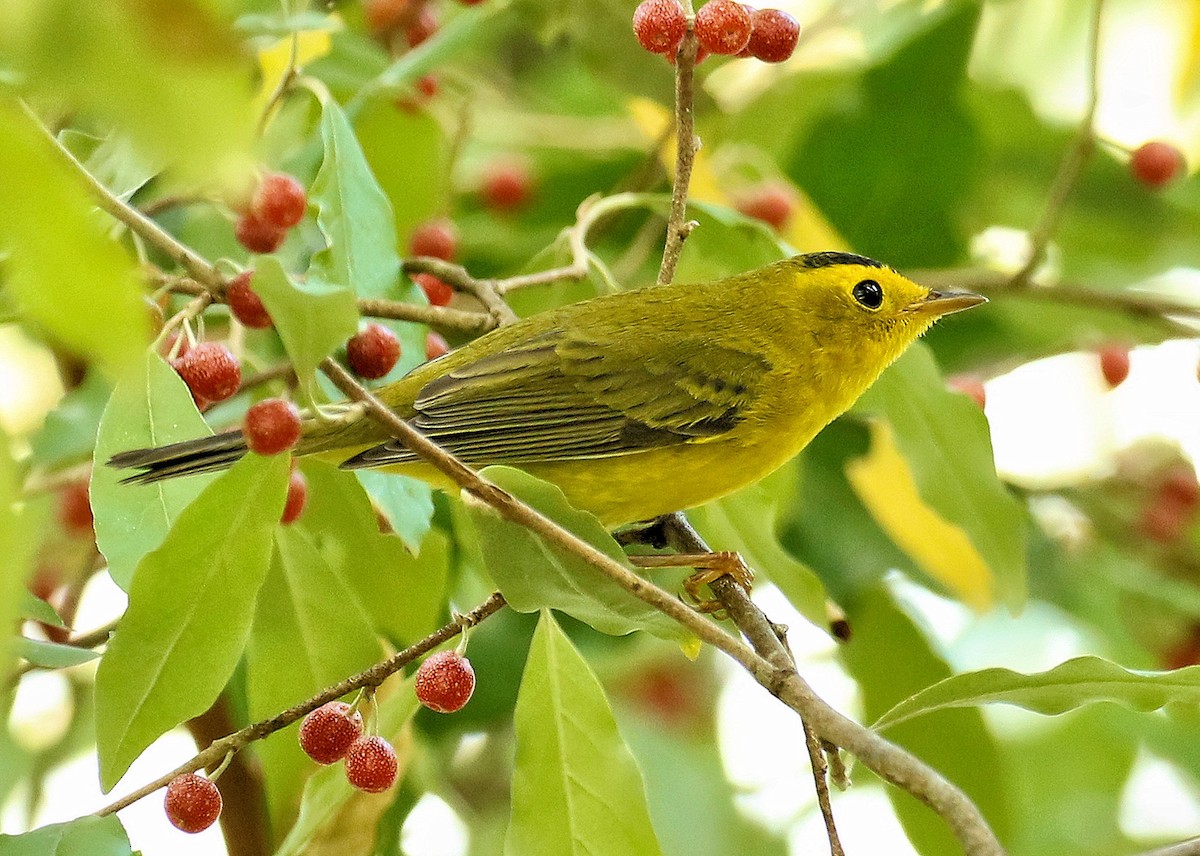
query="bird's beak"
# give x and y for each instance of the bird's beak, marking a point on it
(940, 303)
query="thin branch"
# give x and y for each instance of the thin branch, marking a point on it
(1073, 162)
(165, 203)
(1190, 847)
(372, 677)
(678, 226)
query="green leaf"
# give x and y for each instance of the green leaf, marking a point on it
(309, 632)
(353, 212)
(150, 408)
(326, 792)
(50, 655)
(406, 503)
(83, 292)
(112, 161)
(312, 317)
(33, 608)
(178, 83)
(403, 594)
(17, 545)
(533, 575)
(87, 836)
(945, 439)
(1079, 681)
(576, 787)
(891, 659)
(69, 432)
(189, 615)
(747, 523)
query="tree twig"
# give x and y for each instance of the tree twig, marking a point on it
(678, 226)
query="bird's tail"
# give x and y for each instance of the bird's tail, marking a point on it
(191, 457)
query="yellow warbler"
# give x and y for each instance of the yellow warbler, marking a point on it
(640, 403)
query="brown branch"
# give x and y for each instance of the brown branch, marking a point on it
(372, 677)
(678, 227)
(1075, 159)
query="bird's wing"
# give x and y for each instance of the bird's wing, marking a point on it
(568, 395)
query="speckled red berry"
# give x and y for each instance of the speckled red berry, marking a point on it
(271, 426)
(773, 35)
(192, 803)
(435, 346)
(437, 292)
(659, 25)
(257, 235)
(373, 352)
(437, 238)
(327, 732)
(297, 498)
(1156, 164)
(210, 371)
(371, 764)
(244, 303)
(445, 682)
(279, 200)
(723, 26)
(1114, 364)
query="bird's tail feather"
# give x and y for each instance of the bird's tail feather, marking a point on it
(203, 455)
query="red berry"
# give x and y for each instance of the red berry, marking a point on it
(445, 682)
(659, 25)
(424, 26)
(371, 764)
(1163, 520)
(245, 304)
(507, 186)
(427, 85)
(1156, 164)
(297, 496)
(257, 235)
(75, 510)
(279, 200)
(437, 292)
(373, 352)
(271, 426)
(435, 346)
(773, 35)
(383, 16)
(437, 238)
(969, 385)
(1114, 364)
(193, 802)
(770, 202)
(723, 26)
(1179, 484)
(210, 371)
(327, 732)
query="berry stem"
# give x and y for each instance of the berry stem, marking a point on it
(678, 226)
(216, 774)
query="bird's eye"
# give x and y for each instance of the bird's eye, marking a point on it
(868, 293)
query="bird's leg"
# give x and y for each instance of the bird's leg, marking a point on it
(709, 567)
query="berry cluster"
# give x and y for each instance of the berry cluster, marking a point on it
(277, 204)
(334, 732)
(723, 27)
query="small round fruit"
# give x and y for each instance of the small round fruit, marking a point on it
(327, 732)
(971, 386)
(424, 26)
(659, 25)
(770, 202)
(1156, 164)
(435, 346)
(1163, 520)
(723, 26)
(271, 426)
(210, 371)
(75, 510)
(245, 304)
(1179, 484)
(445, 682)
(383, 16)
(507, 186)
(773, 35)
(192, 803)
(1114, 364)
(373, 352)
(371, 764)
(257, 235)
(297, 497)
(437, 292)
(279, 200)
(437, 238)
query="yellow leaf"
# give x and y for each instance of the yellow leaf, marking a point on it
(275, 59)
(883, 481)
